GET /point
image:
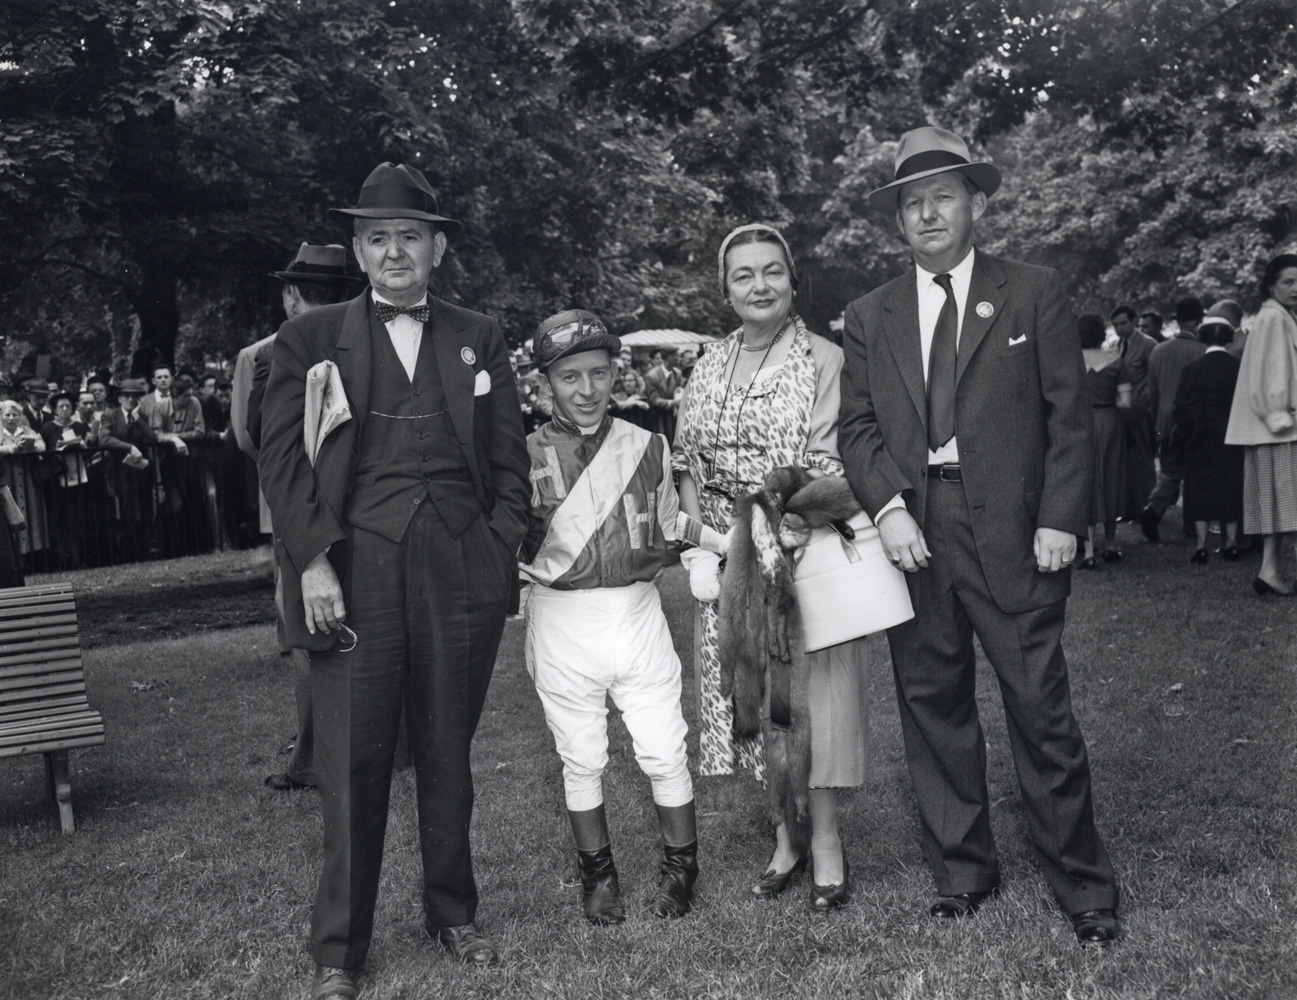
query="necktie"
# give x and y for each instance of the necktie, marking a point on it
(388, 313)
(941, 369)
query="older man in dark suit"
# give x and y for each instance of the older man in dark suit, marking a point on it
(398, 548)
(966, 434)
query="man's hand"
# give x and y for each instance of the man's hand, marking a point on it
(903, 541)
(1054, 549)
(322, 596)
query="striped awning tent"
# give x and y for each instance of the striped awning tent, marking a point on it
(665, 338)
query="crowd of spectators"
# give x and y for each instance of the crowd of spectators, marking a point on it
(108, 470)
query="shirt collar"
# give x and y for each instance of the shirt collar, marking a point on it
(1216, 347)
(960, 274)
(378, 298)
(568, 427)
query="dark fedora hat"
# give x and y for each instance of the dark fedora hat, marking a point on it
(398, 192)
(929, 150)
(326, 265)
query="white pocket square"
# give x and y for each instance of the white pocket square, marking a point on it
(1013, 341)
(482, 384)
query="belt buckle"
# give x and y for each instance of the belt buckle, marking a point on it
(948, 473)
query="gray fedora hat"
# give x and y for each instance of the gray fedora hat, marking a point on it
(393, 191)
(317, 265)
(929, 150)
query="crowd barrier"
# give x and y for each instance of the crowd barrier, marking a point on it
(174, 506)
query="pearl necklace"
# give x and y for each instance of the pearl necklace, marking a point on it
(767, 345)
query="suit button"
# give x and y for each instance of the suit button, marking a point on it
(417, 391)
(416, 500)
(423, 458)
(422, 435)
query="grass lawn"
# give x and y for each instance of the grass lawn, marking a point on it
(187, 878)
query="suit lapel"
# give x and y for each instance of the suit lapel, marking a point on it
(985, 288)
(457, 366)
(901, 327)
(354, 353)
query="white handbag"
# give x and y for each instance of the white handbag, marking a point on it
(848, 588)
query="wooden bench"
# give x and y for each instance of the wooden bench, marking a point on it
(43, 706)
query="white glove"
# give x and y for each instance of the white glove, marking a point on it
(704, 573)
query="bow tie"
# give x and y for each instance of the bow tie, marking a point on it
(388, 313)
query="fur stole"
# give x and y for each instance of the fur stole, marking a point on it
(760, 645)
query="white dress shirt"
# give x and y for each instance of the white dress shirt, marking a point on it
(931, 299)
(406, 334)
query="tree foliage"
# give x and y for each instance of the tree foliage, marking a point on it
(158, 157)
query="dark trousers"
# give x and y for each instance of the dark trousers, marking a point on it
(301, 764)
(428, 612)
(933, 659)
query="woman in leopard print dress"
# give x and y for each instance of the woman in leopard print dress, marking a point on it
(766, 396)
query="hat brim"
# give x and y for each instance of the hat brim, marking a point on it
(599, 342)
(985, 175)
(306, 278)
(449, 225)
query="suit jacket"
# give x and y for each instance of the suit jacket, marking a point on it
(248, 387)
(308, 503)
(1135, 352)
(1022, 417)
(118, 433)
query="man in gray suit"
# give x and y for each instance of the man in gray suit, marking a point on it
(966, 434)
(316, 276)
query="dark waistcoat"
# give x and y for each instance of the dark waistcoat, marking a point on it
(408, 452)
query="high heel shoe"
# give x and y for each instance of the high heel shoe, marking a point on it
(772, 883)
(1086, 563)
(1229, 552)
(1265, 590)
(1199, 557)
(830, 897)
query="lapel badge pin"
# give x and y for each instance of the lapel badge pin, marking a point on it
(468, 355)
(985, 309)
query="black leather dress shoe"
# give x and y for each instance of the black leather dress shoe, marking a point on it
(469, 945)
(830, 897)
(283, 783)
(1199, 557)
(1230, 552)
(1098, 927)
(772, 883)
(963, 904)
(335, 984)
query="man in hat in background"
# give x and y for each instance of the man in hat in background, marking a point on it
(124, 432)
(35, 410)
(966, 433)
(1165, 366)
(398, 546)
(316, 276)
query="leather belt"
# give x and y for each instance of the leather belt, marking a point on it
(948, 473)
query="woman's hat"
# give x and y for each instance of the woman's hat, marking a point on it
(317, 265)
(572, 331)
(398, 192)
(929, 150)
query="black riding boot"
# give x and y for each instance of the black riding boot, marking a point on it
(679, 866)
(600, 891)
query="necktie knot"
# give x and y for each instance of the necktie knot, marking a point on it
(944, 281)
(387, 313)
